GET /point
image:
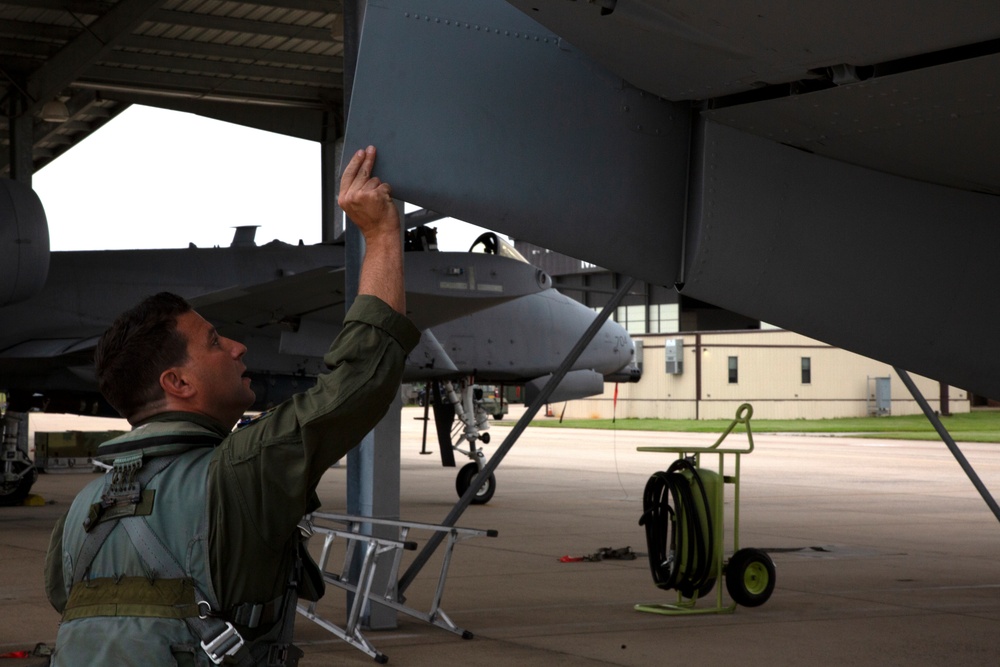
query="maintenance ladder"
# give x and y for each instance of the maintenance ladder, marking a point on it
(362, 553)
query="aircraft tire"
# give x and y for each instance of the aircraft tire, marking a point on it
(465, 476)
(750, 577)
(14, 493)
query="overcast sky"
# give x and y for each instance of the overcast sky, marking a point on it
(153, 178)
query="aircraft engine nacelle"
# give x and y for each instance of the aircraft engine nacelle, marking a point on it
(24, 242)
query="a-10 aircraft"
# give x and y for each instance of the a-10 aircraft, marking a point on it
(519, 342)
(285, 302)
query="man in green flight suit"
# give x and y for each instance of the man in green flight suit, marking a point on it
(188, 551)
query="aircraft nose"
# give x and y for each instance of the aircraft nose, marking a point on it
(623, 350)
(618, 336)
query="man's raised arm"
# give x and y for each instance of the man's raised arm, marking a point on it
(368, 202)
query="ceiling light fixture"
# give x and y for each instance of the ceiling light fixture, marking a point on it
(54, 111)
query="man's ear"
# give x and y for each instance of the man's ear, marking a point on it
(174, 384)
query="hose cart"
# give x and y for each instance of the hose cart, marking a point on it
(684, 518)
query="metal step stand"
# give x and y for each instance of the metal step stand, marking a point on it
(367, 548)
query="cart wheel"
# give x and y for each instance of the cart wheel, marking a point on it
(465, 476)
(750, 577)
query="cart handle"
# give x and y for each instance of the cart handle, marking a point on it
(743, 415)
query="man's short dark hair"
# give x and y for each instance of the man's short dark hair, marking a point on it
(141, 344)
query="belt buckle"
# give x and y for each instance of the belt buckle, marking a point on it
(226, 644)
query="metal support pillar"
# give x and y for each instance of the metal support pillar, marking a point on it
(375, 462)
(332, 217)
(948, 440)
(385, 505)
(515, 433)
(21, 139)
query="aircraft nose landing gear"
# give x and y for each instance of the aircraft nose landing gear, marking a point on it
(473, 419)
(17, 472)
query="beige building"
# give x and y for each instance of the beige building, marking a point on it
(782, 374)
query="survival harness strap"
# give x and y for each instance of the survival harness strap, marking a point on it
(688, 572)
(219, 639)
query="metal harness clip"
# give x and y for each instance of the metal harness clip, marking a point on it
(124, 487)
(226, 644)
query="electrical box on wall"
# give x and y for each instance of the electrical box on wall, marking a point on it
(675, 355)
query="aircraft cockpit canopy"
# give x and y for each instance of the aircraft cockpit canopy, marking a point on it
(491, 244)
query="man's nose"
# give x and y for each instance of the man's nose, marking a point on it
(238, 349)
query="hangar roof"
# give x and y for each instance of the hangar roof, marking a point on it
(276, 66)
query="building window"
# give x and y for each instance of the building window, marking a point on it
(664, 318)
(734, 370)
(806, 370)
(633, 318)
(661, 318)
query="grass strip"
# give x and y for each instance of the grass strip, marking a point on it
(978, 426)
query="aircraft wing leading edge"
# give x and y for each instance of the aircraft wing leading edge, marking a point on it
(549, 147)
(440, 286)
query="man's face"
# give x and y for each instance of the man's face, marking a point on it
(215, 369)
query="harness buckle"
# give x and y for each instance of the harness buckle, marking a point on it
(124, 487)
(228, 643)
(283, 655)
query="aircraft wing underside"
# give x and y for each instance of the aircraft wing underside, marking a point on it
(829, 170)
(903, 88)
(46, 363)
(307, 308)
(278, 302)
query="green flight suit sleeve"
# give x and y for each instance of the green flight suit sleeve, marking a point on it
(263, 477)
(55, 585)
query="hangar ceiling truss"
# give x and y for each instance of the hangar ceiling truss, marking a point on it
(276, 66)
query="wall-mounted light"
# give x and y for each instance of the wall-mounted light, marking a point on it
(54, 111)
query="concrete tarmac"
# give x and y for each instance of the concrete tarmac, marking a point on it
(885, 555)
